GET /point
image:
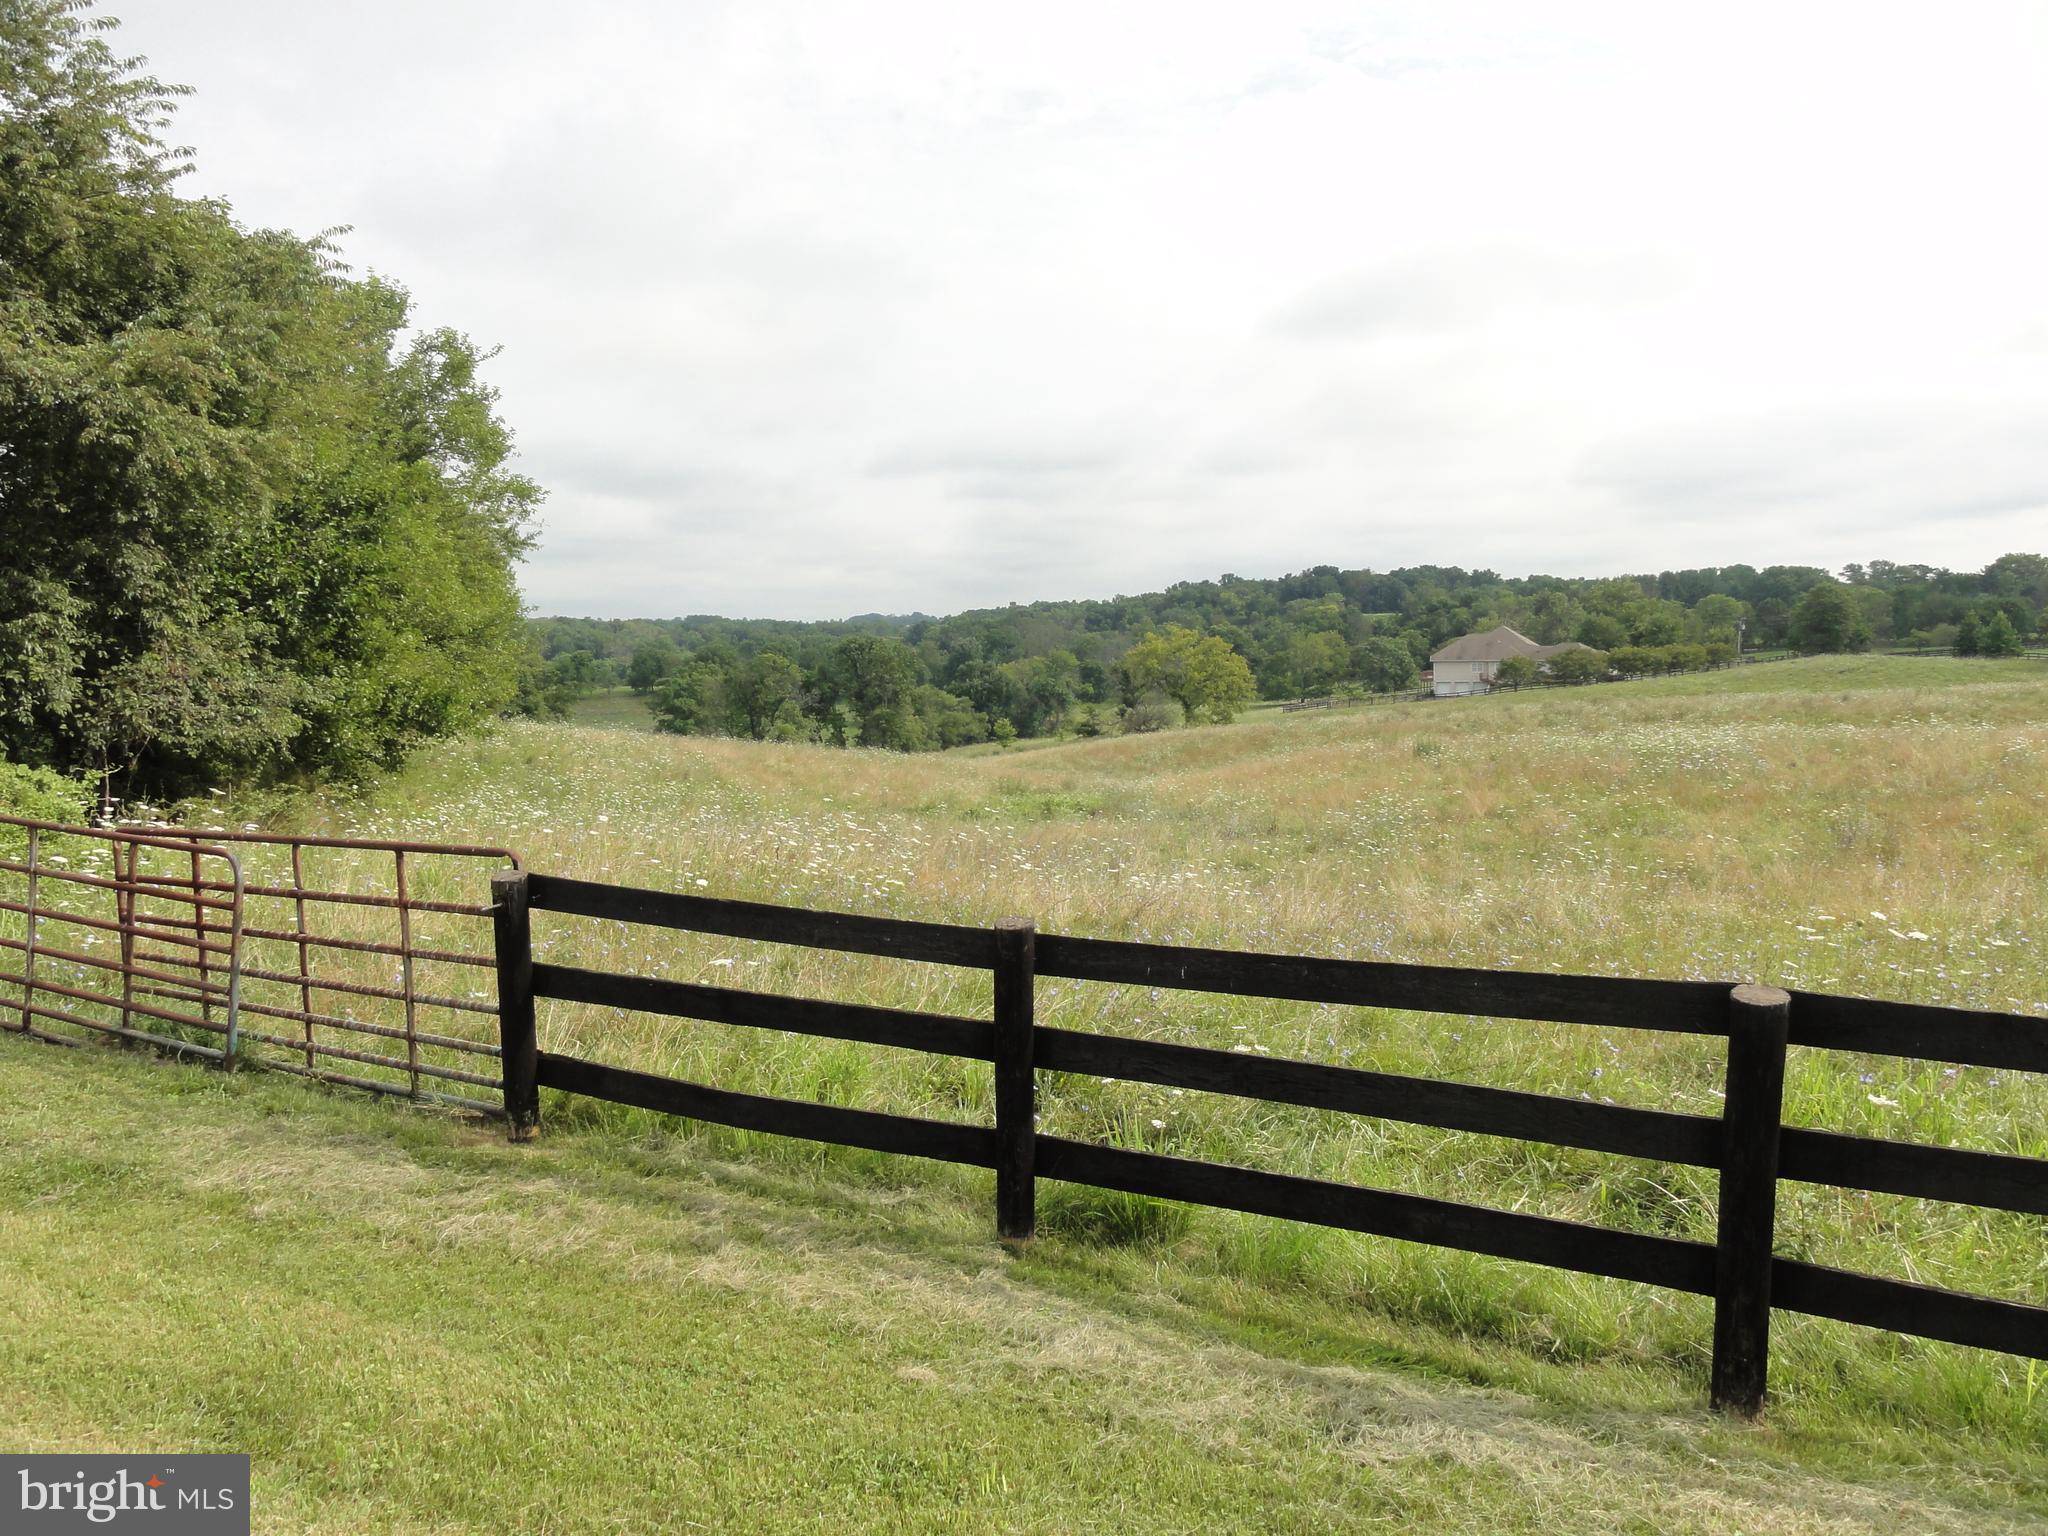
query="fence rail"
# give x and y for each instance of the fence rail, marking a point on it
(1747, 1143)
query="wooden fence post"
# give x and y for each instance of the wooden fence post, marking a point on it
(512, 930)
(1750, 1117)
(1016, 1080)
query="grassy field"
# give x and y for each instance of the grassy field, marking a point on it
(1866, 825)
(613, 709)
(412, 1327)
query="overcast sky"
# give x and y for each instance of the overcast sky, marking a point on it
(817, 309)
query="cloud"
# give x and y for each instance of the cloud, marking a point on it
(1458, 289)
(815, 307)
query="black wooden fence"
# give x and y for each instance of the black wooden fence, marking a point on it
(1746, 1143)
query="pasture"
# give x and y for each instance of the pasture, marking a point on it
(1868, 825)
(1864, 825)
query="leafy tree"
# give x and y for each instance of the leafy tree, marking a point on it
(1200, 673)
(1998, 637)
(1514, 672)
(1384, 664)
(1045, 686)
(1828, 619)
(653, 664)
(1317, 662)
(1601, 631)
(250, 526)
(1969, 639)
(694, 702)
(1715, 616)
(758, 691)
(872, 677)
(1003, 733)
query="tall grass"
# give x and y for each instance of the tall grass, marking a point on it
(1875, 826)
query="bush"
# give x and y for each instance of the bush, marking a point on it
(1578, 666)
(39, 794)
(1154, 712)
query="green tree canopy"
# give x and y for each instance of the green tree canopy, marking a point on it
(1201, 673)
(1828, 618)
(250, 527)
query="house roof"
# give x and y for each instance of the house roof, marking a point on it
(1494, 645)
(1499, 644)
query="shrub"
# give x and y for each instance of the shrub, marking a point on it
(1153, 712)
(1578, 666)
(40, 794)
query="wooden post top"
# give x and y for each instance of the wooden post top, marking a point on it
(1754, 995)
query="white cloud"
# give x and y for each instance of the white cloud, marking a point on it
(811, 309)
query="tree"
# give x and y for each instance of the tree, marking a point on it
(1046, 686)
(1514, 672)
(250, 526)
(1998, 637)
(653, 664)
(1828, 619)
(694, 702)
(760, 689)
(1384, 664)
(1601, 631)
(1715, 616)
(1969, 636)
(872, 676)
(1201, 673)
(1317, 662)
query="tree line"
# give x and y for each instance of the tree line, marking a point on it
(918, 682)
(257, 524)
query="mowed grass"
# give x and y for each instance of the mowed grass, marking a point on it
(411, 1327)
(1862, 825)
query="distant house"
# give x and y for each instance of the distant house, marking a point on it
(1468, 663)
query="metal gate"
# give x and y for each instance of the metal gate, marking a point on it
(360, 961)
(109, 944)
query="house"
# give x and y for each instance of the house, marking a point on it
(1468, 663)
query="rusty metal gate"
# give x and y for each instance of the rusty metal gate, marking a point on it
(360, 961)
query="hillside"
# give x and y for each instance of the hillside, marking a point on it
(1044, 665)
(413, 1327)
(1863, 825)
